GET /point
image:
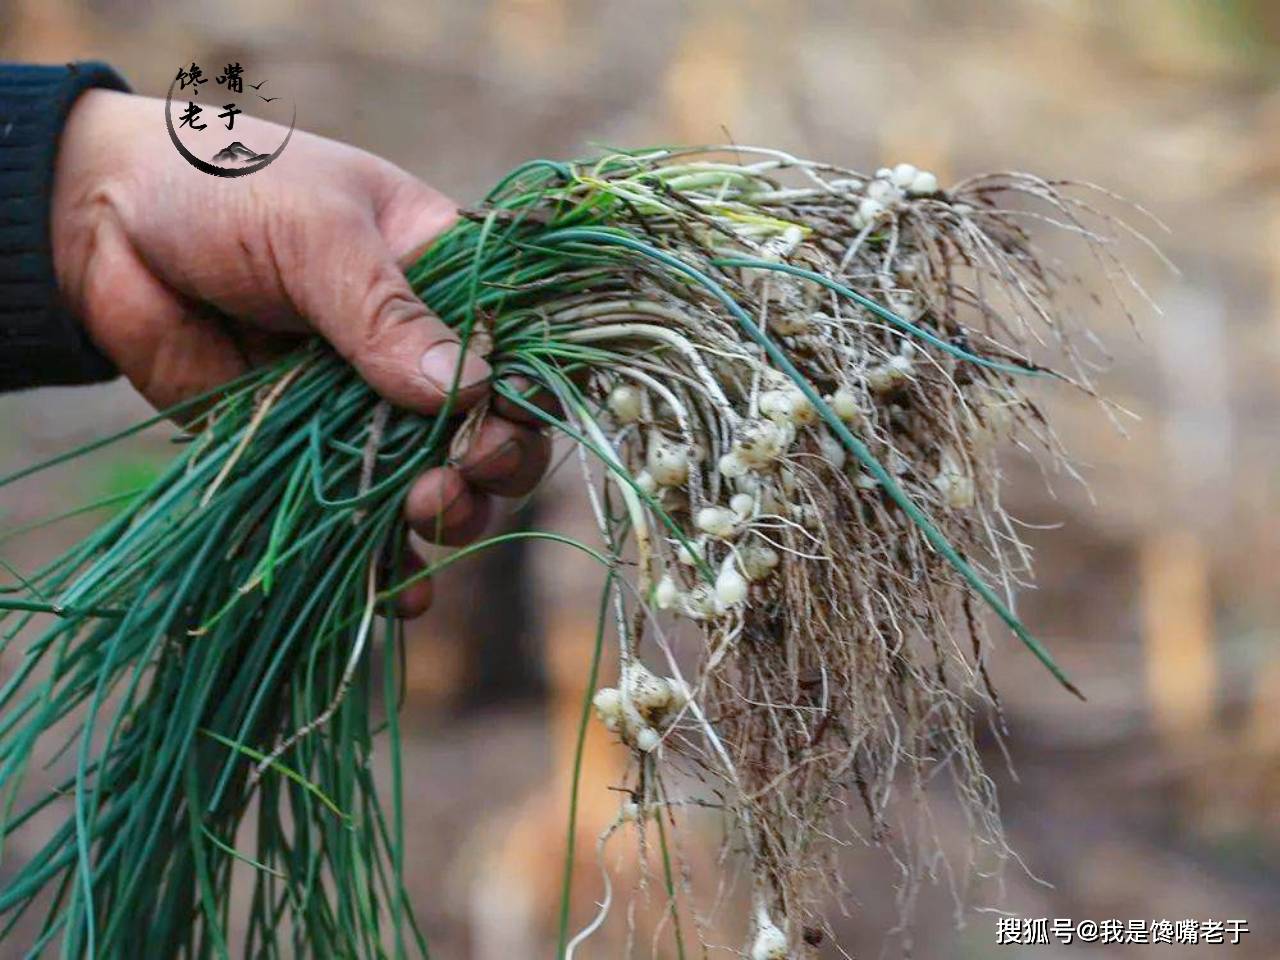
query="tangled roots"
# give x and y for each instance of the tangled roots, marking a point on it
(841, 348)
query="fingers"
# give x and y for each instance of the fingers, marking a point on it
(452, 504)
(416, 598)
(409, 214)
(359, 300)
(376, 320)
(532, 393)
(505, 458)
(443, 508)
(161, 341)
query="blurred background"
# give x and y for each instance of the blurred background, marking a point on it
(1159, 582)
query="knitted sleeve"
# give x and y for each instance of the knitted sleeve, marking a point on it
(41, 343)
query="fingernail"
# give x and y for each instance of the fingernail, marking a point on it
(440, 365)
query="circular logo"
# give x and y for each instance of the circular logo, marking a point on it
(212, 120)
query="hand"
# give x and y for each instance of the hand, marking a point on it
(155, 256)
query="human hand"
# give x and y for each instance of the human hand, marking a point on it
(185, 280)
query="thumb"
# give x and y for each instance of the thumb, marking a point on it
(358, 299)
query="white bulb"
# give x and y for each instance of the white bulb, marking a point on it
(699, 603)
(647, 739)
(959, 491)
(731, 586)
(786, 436)
(884, 173)
(832, 449)
(784, 243)
(759, 443)
(954, 484)
(904, 174)
(870, 209)
(807, 515)
(775, 379)
(773, 404)
(608, 704)
(742, 504)
(731, 465)
(787, 406)
(667, 462)
(770, 944)
(666, 593)
(890, 375)
(625, 403)
(650, 693)
(758, 562)
(607, 700)
(749, 483)
(630, 719)
(716, 521)
(690, 554)
(845, 405)
(803, 412)
(922, 184)
(881, 187)
(645, 483)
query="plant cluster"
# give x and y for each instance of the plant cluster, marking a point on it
(792, 380)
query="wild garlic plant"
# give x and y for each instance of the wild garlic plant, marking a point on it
(787, 382)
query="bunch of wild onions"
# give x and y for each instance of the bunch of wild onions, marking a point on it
(793, 377)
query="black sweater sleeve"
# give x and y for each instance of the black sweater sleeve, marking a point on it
(41, 343)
